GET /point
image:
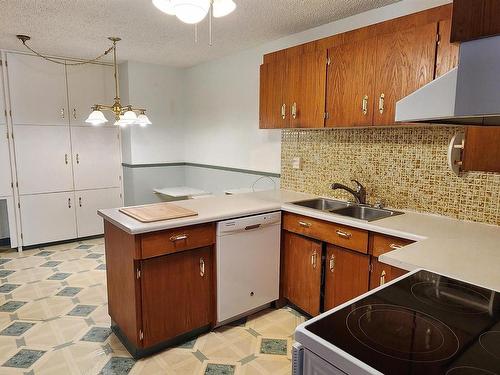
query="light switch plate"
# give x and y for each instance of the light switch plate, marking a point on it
(297, 163)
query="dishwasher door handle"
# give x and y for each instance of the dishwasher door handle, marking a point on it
(250, 227)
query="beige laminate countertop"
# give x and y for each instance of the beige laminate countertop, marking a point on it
(460, 249)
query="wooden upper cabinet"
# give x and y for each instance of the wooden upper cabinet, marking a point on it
(447, 52)
(272, 107)
(473, 19)
(405, 62)
(350, 84)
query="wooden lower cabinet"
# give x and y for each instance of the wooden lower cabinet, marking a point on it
(346, 275)
(176, 294)
(302, 272)
(382, 273)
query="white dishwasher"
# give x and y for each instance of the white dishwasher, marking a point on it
(248, 264)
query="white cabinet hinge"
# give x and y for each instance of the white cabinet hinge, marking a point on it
(141, 335)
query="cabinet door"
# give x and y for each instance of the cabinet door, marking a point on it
(3, 119)
(177, 294)
(43, 159)
(87, 203)
(382, 273)
(405, 62)
(89, 85)
(273, 112)
(447, 52)
(38, 94)
(302, 272)
(481, 149)
(306, 74)
(5, 175)
(346, 275)
(96, 157)
(47, 217)
(351, 81)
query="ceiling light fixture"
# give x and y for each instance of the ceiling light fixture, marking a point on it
(194, 11)
(124, 114)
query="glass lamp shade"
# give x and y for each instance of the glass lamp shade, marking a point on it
(129, 116)
(191, 11)
(223, 7)
(96, 118)
(143, 120)
(165, 6)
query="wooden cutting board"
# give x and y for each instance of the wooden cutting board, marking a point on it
(157, 212)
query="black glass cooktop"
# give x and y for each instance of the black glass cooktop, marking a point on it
(423, 324)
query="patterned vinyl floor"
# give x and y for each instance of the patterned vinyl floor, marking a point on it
(54, 320)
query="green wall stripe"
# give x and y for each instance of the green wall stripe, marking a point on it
(208, 166)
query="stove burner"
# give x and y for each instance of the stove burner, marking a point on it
(468, 370)
(490, 341)
(450, 297)
(402, 333)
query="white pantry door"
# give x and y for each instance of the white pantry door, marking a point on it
(88, 85)
(43, 158)
(3, 119)
(38, 93)
(96, 157)
(47, 217)
(5, 176)
(87, 204)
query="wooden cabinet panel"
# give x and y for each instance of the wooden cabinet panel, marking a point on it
(346, 275)
(382, 244)
(176, 294)
(382, 273)
(273, 112)
(473, 19)
(337, 234)
(177, 239)
(405, 62)
(350, 84)
(302, 272)
(481, 149)
(447, 52)
(306, 94)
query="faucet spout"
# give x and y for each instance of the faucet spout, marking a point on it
(359, 193)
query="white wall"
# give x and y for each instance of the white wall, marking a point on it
(222, 120)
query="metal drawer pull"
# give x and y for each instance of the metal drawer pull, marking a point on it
(382, 277)
(313, 259)
(202, 267)
(77, 159)
(179, 237)
(364, 105)
(74, 113)
(283, 111)
(62, 113)
(294, 110)
(332, 263)
(381, 101)
(66, 158)
(304, 224)
(343, 234)
(250, 227)
(69, 202)
(395, 246)
(80, 201)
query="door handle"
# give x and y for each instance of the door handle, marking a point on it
(293, 110)
(80, 201)
(62, 113)
(332, 263)
(313, 258)
(74, 113)
(66, 158)
(69, 202)
(77, 159)
(364, 105)
(395, 246)
(382, 277)
(343, 234)
(283, 111)
(381, 102)
(305, 224)
(202, 267)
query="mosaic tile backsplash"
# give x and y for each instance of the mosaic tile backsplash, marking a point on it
(406, 168)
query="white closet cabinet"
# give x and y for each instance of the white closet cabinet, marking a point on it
(47, 217)
(96, 157)
(88, 85)
(5, 176)
(38, 94)
(87, 204)
(3, 119)
(43, 157)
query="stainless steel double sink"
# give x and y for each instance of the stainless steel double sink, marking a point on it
(355, 211)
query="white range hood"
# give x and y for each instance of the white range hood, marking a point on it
(466, 95)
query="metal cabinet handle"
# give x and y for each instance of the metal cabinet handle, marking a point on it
(202, 267)
(179, 237)
(381, 102)
(293, 110)
(69, 202)
(364, 105)
(332, 263)
(80, 201)
(74, 113)
(343, 234)
(283, 111)
(313, 258)
(395, 246)
(304, 224)
(62, 113)
(382, 277)
(66, 158)
(77, 159)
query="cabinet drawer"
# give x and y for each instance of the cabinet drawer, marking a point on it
(340, 235)
(382, 244)
(177, 239)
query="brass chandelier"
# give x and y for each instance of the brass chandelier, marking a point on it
(124, 114)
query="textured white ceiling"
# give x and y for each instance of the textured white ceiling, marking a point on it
(78, 28)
